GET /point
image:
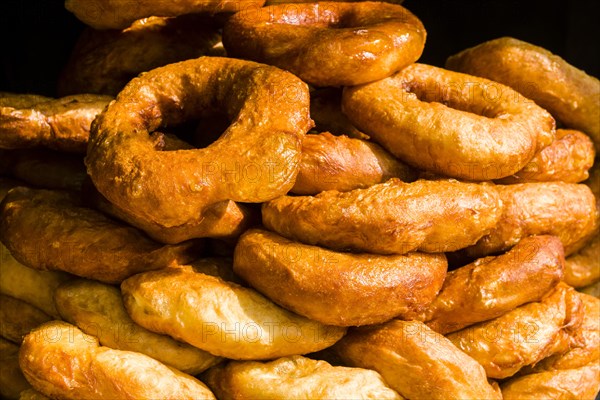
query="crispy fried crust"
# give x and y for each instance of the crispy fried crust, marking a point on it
(569, 384)
(492, 286)
(567, 92)
(221, 317)
(336, 288)
(18, 318)
(341, 163)
(566, 210)
(524, 335)
(46, 169)
(255, 160)
(62, 362)
(295, 377)
(117, 14)
(104, 61)
(450, 123)
(328, 44)
(567, 159)
(12, 381)
(583, 268)
(416, 362)
(28, 284)
(97, 309)
(389, 218)
(61, 124)
(50, 230)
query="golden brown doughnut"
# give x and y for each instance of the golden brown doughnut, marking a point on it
(225, 219)
(341, 163)
(46, 169)
(566, 210)
(389, 218)
(119, 14)
(221, 317)
(583, 267)
(255, 160)
(18, 318)
(12, 381)
(343, 289)
(525, 335)
(28, 284)
(573, 384)
(62, 362)
(567, 159)
(416, 362)
(104, 61)
(295, 377)
(50, 230)
(61, 124)
(568, 93)
(491, 286)
(328, 43)
(449, 123)
(97, 309)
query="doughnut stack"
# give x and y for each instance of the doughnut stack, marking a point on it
(239, 200)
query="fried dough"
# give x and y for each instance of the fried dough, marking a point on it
(221, 317)
(18, 318)
(389, 218)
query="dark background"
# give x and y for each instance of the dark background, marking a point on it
(37, 35)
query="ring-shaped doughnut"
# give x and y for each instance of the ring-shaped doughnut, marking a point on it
(255, 160)
(343, 289)
(328, 43)
(450, 123)
(568, 93)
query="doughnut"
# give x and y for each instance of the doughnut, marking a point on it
(60, 124)
(28, 284)
(97, 309)
(492, 286)
(566, 210)
(567, 159)
(450, 123)
(588, 352)
(582, 268)
(341, 163)
(225, 219)
(62, 362)
(525, 335)
(578, 383)
(416, 362)
(17, 318)
(328, 43)
(50, 230)
(46, 169)
(343, 289)
(326, 111)
(221, 317)
(568, 93)
(12, 381)
(389, 218)
(255, 160)
(295, 377)
(119, 14)
(104, 61)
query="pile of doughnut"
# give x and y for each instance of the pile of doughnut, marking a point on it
(240, 200)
